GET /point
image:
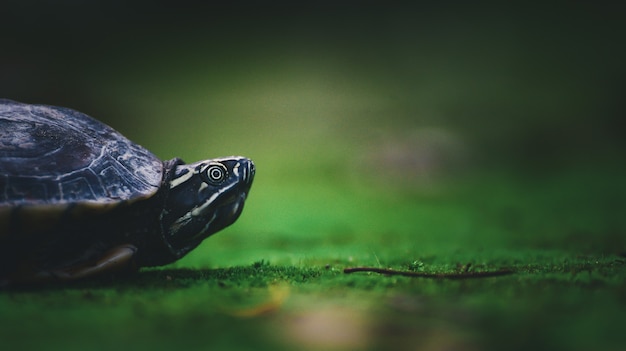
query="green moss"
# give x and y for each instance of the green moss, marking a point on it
(276, 287)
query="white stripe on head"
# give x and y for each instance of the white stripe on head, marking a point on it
(236, 169)
(198, 210)
(180, 180)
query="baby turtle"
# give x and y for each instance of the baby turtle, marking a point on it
(78, 199)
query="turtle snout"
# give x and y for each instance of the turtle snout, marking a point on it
(247, 175)
(251, 172)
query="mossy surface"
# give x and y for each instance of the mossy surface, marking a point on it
(293, 293)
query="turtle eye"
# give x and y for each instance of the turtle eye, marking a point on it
(214, 173)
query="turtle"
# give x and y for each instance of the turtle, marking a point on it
(78, 199)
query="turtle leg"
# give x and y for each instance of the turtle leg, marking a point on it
(116, 259)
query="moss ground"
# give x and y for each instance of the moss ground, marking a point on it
(250, 289)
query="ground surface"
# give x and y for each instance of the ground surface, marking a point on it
(567, 291)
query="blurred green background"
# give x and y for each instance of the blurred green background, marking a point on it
(417, 136)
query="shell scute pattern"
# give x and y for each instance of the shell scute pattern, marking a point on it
(54, 155)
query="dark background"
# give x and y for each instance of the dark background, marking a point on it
(533, 85)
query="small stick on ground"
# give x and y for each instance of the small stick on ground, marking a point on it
(463, 275)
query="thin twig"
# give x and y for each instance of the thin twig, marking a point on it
(463, 275)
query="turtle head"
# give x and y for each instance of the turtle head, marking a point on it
(203, 198)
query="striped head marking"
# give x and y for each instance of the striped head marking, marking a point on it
(204, 197)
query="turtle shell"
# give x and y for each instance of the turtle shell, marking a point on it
(56, 157)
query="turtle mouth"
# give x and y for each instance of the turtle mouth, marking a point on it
(232, 207)
(234, 198)
(211, 222)
(227, 211)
